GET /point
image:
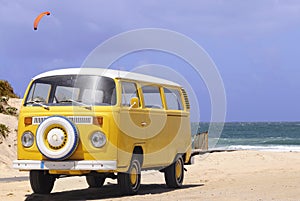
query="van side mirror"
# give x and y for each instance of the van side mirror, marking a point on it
(134, 102)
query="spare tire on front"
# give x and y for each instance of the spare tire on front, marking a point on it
(57, 138)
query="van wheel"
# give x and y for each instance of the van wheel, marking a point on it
(130, 182)
(95, 181)
(41, 181)
(174, 173)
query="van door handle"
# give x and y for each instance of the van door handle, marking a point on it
(143, 124)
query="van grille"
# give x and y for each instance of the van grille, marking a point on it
(37, 120)
(186, 99)
(74, 119)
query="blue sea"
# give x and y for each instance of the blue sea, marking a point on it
(269, 136)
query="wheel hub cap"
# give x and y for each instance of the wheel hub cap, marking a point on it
(133, 176)
(178, 169)
(56, 138)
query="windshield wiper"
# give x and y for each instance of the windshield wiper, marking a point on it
(38, 103)
(86, 106)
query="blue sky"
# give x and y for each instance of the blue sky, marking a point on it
(254, 44)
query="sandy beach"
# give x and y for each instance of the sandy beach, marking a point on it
(236, 175)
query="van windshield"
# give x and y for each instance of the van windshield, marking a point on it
(63, 90)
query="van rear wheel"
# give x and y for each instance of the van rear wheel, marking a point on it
(174, 173)
(130, 182)
(41, 181)
(95, 181)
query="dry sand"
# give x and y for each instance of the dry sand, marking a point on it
(238, 175)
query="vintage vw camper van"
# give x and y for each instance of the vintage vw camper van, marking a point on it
(102, 123)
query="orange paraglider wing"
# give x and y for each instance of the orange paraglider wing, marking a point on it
(38, 18)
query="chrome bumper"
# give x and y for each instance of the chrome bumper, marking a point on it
(64, 165)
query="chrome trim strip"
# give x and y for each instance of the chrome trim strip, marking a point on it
(64, 165)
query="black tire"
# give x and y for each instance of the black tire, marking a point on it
(95, 181)
(130, 181)
(41, 181)
(174, 173)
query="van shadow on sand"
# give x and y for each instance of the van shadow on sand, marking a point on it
(107, 191)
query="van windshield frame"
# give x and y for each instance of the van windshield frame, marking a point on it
(66, 90)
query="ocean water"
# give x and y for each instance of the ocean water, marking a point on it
(272, 136)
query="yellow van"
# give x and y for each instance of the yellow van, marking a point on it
(102, 123)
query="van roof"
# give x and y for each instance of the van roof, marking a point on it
(107, 73)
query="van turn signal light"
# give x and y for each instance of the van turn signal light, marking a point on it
(27, 121)
(98, 120)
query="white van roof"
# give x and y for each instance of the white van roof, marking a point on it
(107, 73)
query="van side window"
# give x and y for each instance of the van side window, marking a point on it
(152, 97)
(173, 99)
(129, 90)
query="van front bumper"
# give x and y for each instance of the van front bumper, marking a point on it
(64, 165)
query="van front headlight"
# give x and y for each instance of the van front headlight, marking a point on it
(98, 139)
(27, 139)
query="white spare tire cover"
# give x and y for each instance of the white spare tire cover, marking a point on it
(57, 138)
